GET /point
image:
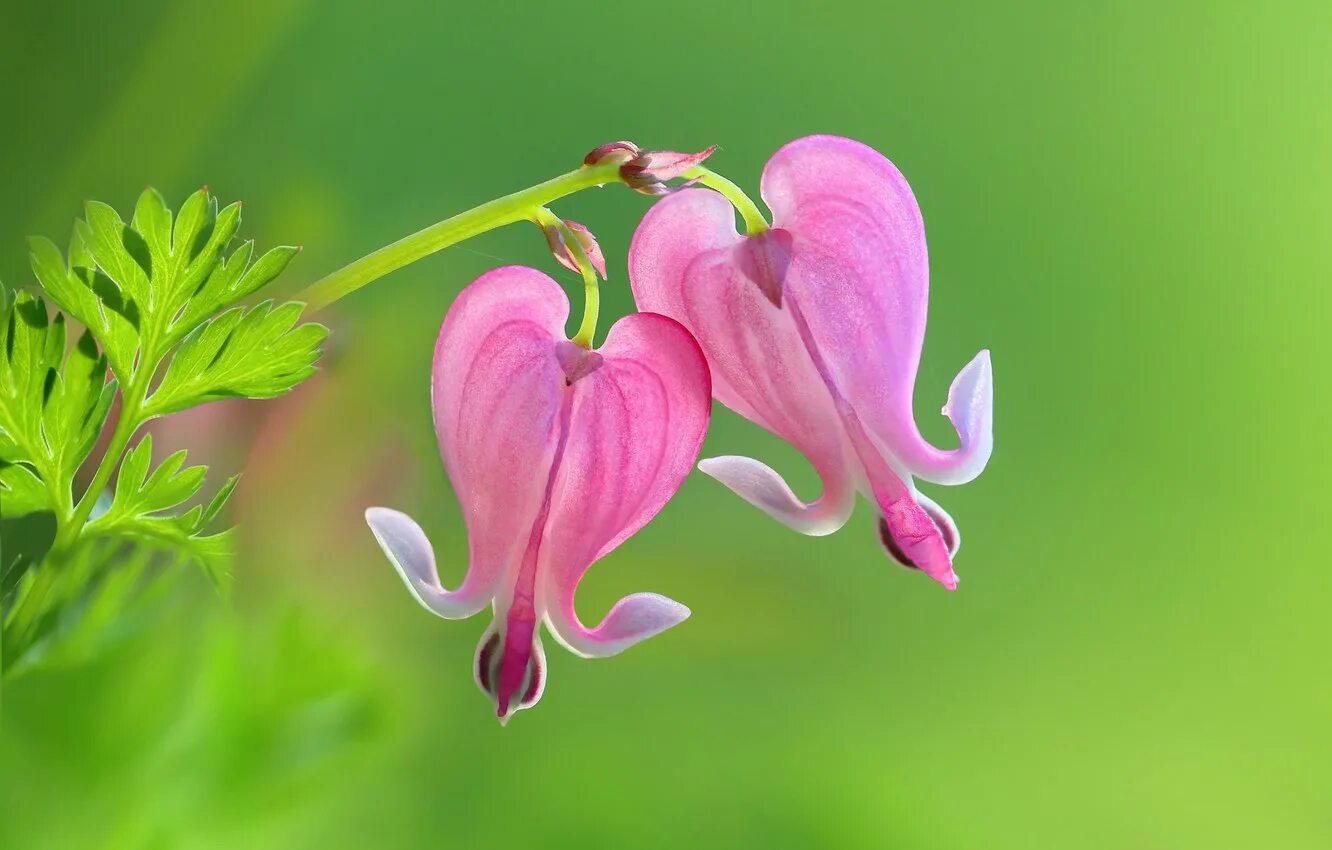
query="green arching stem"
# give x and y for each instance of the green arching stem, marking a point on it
(587, 330)
(755, 223)
(520, 206)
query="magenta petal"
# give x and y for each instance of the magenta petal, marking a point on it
(496, 392)
(862, 284)
(687, 261)
(634, 431)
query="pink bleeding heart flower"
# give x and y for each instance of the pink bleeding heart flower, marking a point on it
(813, 329)
(557, 455)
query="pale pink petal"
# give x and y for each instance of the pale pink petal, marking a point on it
(409, 550)
(761, 486)
(863, 286)
(496, 390)
(635, 427)
(687, 261)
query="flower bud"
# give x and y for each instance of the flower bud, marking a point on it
(648, 171)
(564, 255)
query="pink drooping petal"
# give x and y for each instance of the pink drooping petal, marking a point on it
(496, 391)
(410, 552)
(859, 238)
(906, 523)
(688, 261)
(889, 536)
(634, 431)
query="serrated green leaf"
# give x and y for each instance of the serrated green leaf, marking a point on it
(190, 278)
(266, 269)
(213, 553)
(21, 491)
(52, 403)
(139, 494)
(252, 353)
(196, 215)
(154, 280)
(122, 253)
(152, 220)
(23, 372)
(77, 291)
(218, 502)
(233, 279)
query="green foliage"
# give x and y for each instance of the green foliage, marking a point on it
(255, 353)
(158, 300)
(53, 404)
(138, 509)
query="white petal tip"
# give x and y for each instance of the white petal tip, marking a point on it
(761, 486)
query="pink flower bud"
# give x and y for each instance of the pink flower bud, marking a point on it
(620, 151)
(648, 171)
(565, 256)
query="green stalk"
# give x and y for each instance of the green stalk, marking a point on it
(755, 223)
(520, 206)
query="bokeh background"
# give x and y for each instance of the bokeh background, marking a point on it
(1127, 202)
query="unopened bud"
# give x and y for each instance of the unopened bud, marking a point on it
(615, 151)
(648, 171)
(565, 256)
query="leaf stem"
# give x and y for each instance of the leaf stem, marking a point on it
(126, 425)
(755, 223)
(519, 206)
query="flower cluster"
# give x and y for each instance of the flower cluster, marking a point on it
(811, 328)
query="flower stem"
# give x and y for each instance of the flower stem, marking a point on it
(544, 218)
(520, 206)
(755, 223)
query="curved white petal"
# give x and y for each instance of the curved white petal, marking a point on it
(761, 486)
(634, 618)
(409, 550)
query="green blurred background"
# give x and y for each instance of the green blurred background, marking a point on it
(1127, 203)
